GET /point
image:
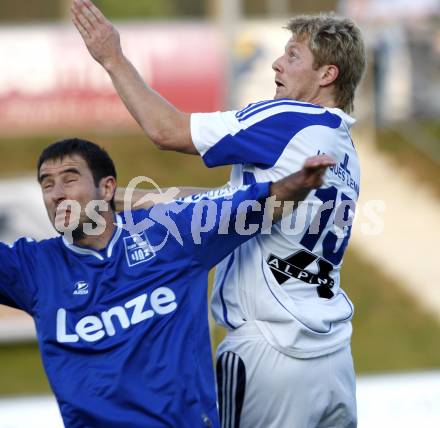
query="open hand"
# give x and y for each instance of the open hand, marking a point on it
(100, 36)
(297, 186)
(313, 170)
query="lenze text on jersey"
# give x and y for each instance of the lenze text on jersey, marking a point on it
(92, 328)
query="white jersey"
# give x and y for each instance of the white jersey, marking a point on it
(287, 282)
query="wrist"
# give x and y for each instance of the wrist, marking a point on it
(291, 188)
(114, 63)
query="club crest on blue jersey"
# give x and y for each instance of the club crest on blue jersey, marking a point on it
(80, 288)
(137, 249)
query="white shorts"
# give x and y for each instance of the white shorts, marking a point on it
(259, 387)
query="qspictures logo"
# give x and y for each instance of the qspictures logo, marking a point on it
(328, 205)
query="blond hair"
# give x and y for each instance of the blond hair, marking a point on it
(337, 41)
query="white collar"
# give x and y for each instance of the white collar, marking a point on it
(348, 120)
(90, 252)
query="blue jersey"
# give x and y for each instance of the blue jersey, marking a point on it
(123, 332)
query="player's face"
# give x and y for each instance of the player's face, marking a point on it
(68, 178)
(295, 77)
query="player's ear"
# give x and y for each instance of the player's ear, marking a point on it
(329, 73)
(107, 188)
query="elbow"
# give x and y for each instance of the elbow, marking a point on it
(168, 134)
(161, 144)
(159, 140)
(162, 147)
(171, 141)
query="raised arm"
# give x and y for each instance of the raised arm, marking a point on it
(166, 126)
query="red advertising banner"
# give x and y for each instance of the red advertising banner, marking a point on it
(48, 81)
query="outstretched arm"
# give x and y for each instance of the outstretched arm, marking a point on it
(296, 187)
(216, 223)
(141, 198)
(166, 126)
(293, 188)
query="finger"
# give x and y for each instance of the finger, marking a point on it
(319, 161)
(328, 160)
(83, 18)
(324, 159)
(326, 163)
(75, 8)
(87, 13)
(319, 164)
(95, 11)
(82, 30)
(316, 165)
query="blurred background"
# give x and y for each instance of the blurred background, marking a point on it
(206, 55)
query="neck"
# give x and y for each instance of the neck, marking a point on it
(324, 101)
(98, 242)
(322, 96)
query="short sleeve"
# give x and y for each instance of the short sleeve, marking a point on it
(16, 267)
(257, 134)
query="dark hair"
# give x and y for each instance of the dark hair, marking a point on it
(97, 159)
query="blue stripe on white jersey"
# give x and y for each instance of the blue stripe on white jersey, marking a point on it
(280, 106)
(262, 142)
(243, 115)
(251, 107)
(257, 134)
